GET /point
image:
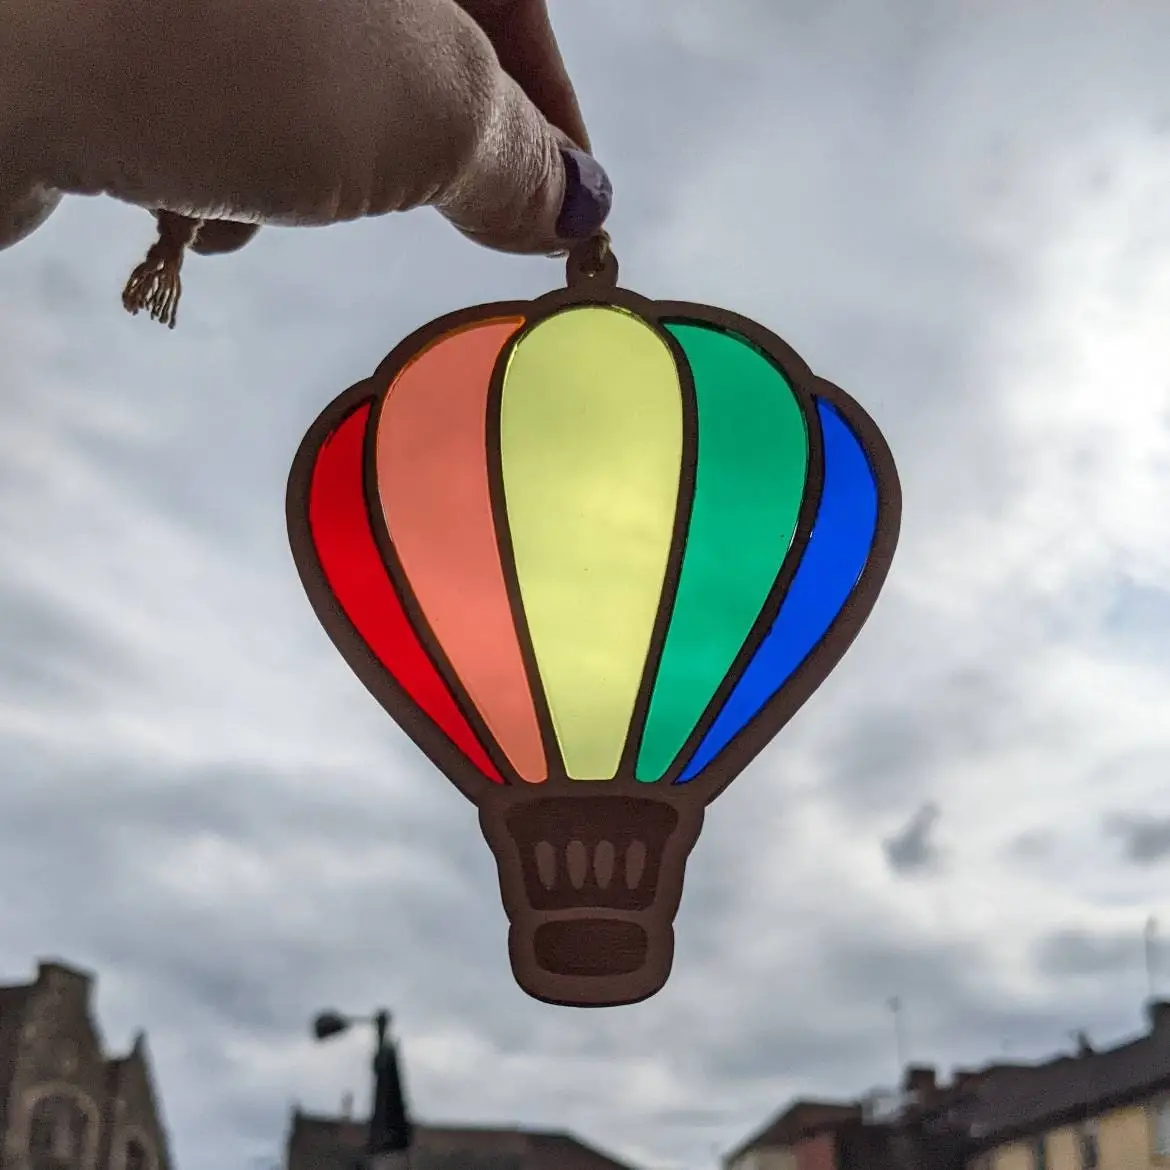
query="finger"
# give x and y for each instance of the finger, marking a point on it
(525, 192)
(21, 215)
(522, 187)
(217, 236)
(522, 35)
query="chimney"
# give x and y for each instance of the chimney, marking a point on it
(1158, 1016)
(921, 1080)
(347, 1106)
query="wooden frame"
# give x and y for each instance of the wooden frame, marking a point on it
(665, 816)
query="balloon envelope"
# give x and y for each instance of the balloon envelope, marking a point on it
(592, 543)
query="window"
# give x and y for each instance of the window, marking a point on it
(57, 1131)
(1160, 1129)
(1040, 1153)
(135, 1158)
(42, 1134)
(76, 1130)
(1088, 1146)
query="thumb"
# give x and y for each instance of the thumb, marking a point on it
(525, 186)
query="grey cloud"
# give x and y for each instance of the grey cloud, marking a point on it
(1100, 977)
(1033, 844)
(119, 819)
(1098, 963)
(59, 653)
(809, 1056)
(59, 288)
(1139, 621)
(952, 1014)
(913, 848)
(882, 758)
(1078, 952)
(889, 754)
(1145, 840)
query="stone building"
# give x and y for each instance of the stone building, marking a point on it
(64, 1103)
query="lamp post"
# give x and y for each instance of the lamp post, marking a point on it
(390, 1133)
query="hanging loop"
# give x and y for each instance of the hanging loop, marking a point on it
(592, 263)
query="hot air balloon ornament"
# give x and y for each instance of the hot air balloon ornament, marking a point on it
(591, 552)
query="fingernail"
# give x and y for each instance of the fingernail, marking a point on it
(588, 196)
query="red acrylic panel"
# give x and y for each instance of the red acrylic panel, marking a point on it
(344, 540)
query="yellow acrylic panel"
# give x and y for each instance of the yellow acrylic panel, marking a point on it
(591, 444)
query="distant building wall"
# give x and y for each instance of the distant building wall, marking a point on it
(1016, 1156)
(1123, 1143)
(1125, 1138)
(768, 1158)
(1062, 1149)
(781, 1159)
(817, 1153)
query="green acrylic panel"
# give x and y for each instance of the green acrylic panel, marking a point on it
(749, 483)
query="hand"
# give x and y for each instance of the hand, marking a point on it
(235, 113)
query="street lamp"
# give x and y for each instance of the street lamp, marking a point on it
(390, 1132)
(330, 1024)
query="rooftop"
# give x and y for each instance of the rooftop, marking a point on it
(999, 1102)
(1032, 1098)
(797, 1119)
(334, 1143)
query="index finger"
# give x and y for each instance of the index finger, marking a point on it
(522, 35)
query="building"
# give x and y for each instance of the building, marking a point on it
(902, 1130)
(803, 1129)
(64, 1103)
(1105, 1109)
(338, 1143)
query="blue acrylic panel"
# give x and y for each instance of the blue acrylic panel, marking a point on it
(836, 553)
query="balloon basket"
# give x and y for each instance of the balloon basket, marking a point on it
(591, 885)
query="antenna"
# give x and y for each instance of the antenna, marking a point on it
(1151, 943)
(895, 1006)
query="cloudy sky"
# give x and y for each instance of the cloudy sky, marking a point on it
(958, 210)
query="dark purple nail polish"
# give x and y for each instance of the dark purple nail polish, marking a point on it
(588, 196)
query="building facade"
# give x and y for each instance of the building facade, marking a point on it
(1096, 1110)
(64, 1103)
(796, 1138)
